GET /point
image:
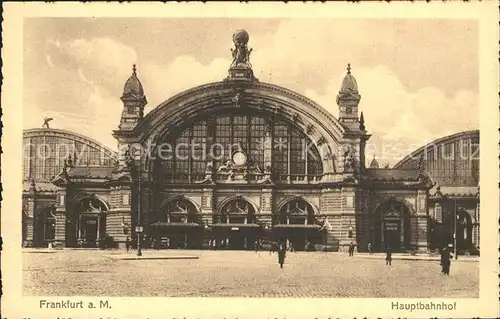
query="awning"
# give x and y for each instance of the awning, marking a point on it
(165, 224)
(297, 226)
(236, 225)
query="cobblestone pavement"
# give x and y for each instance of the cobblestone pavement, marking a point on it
(242, 274)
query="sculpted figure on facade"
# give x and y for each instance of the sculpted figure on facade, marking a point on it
(349, 162)
(129, 161)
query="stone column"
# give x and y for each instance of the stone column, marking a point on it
(207, 212)
(266, 212)
(60, 231)
(475, 227)
(207, 200)
(331, 207)
(119, 222)
(60, 237)
(348, 217)
(29, 206)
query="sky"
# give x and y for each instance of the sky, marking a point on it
(418, 79)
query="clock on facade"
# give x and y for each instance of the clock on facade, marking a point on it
(239, 158)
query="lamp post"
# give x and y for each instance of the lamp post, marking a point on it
(139, 228)
(455, 229)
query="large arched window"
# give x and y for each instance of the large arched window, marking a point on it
(296, 212)
(237, 211)
(291, 152)
(179, 210)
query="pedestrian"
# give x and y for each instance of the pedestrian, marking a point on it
(281, 254)
(370, 248)
(388, 256)
(351, 249)
(446, 260)
(256, 245)
(127, 244)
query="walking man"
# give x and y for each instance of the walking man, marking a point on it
(256, 245)
(351, 249)
(370, 248)
(388, 257)
(281, 255)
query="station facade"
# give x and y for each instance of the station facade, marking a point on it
(239, 160)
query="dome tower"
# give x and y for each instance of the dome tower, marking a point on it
(348, 100)
(134, 101)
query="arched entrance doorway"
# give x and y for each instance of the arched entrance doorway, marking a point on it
(295, 224)
(90, 222)
(178, 225)
(45, 227)
(391, 226)
(235, 226)
(463, 232)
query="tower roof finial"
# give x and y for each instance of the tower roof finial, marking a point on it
(134, 69)
(348, 68)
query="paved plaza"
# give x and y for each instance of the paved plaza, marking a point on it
(241, 274)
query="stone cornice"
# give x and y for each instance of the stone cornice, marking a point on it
(212, 92)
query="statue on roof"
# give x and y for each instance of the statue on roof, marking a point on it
(46, 121)
(241, 53)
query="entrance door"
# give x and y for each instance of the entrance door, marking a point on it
(392, 233)
(297, 238)
(237, 240)
(90, 231)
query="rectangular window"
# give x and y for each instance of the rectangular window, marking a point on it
(125, 199)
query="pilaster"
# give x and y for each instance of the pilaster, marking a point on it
(207, 204)
(348, 227)
(420, 224)
(60, 216)
(29, 213)
(119, 217)
(266, 206)
(475, 228)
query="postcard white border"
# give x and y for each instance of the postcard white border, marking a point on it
(14, 305)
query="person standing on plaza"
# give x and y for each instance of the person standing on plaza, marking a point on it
(351, 249)
(256, 245)
(370, 248)
(446, 260)
(127, 244)
(281, 254)
(388, 256)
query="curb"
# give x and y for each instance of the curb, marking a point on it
(152, 257)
